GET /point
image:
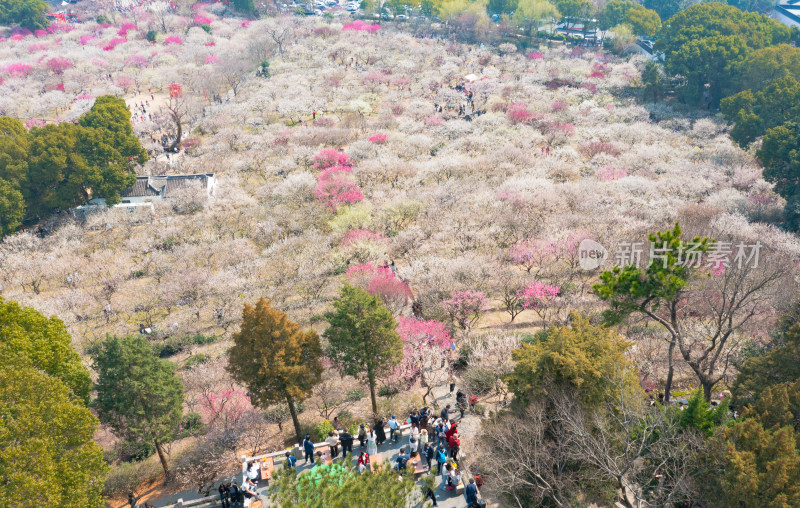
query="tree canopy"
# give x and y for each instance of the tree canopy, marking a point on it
(641, 21)
(579, 355)
(47, 452)
(338, 486)
(138, 394)
(28, 14)
(362, 337)
(64, 165)
(275, 359)
(707, 42)
(46, 448)
(44, 344)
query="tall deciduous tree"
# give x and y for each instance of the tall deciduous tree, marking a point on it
(362, 337)
(531, 13)
(138, 394)
(275, 359)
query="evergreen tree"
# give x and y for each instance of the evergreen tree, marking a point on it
(28, 14)
(777, 366)
(47, 454)
(654, 292)
(338, 486)
(362, 337)
(780, 155)
(580, 355)
(276, 360)
(138, 394)
(12, 208)
(753, 467)
(44, 344)
(244, 6)
(707, 42)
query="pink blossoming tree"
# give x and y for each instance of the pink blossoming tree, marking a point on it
(335, 187)
(425, 350)
(328, 157)
(465, 308)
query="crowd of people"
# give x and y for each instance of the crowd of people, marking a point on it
(432, 445)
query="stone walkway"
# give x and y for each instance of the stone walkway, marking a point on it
(388, 452)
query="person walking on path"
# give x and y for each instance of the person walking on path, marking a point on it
(308, 449)
(441, 434)
(372, 445)
(471, 493)
(423, 439)
(333, 443)
(441, 459)
(362, 435)
(455, 446)
(453, 429)
(393, 427)
(429, 452)
(224, 495)
(347, 443)
(291, 460)
(380, 432)
(451, 378)
(446, 412)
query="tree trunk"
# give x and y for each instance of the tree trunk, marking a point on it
(708, 385)
(296, 423)
(671, 370)
(162, 457)
(177, 141)
(371, 381)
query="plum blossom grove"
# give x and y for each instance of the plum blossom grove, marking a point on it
(366, 156)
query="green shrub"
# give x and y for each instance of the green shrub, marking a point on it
(322, 429)
(127, 476)
(102, 19)
(191, 425)
(170, 347)
(479, 381)
(151, 35)
(201, 339)
(480, 409)
(195, 360)
(206, 27)
(388, 391)
(135, 451)
(355, 395)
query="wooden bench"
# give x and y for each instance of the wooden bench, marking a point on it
(267, 467)
(374, 460)
(419, 467)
